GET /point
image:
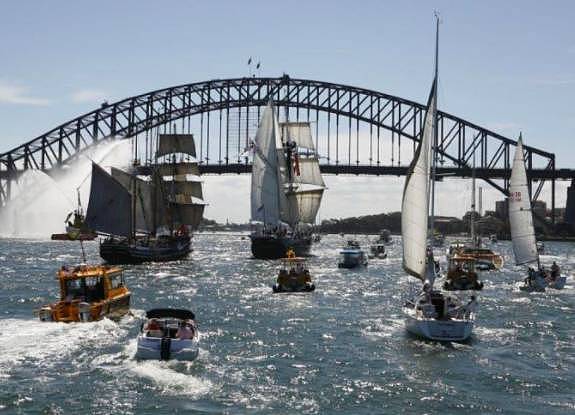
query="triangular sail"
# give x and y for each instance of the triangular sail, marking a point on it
(520, 215)
(265, 192)
(415, 203)
(110, 206)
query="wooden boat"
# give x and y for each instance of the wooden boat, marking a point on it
(88, 293)
(286, 187)
(148, 218)
(293, 275)
(168, 334)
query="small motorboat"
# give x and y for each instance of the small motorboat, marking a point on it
(493, 238)
(377, 250)
(168, 333)
(293, 275)
(352, 256)
(461, 276)
(88, 293)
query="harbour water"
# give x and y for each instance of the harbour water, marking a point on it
(340, 349)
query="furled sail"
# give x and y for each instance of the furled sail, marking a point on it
(520, 215)
(265, 192)
(110, 205)
(144, 193)
(176, 143)
(415, 203)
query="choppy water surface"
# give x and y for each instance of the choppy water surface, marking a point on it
(341, 349)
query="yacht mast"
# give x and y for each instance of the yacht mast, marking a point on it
(434, 145)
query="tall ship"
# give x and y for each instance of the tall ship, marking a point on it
(151, 217)
(287, 187)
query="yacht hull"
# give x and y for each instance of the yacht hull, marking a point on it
(164, 348)
(439, 330)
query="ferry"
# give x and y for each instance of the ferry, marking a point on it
(88, 293)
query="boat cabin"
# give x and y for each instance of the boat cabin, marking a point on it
(88, 293)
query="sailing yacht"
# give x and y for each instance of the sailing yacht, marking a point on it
(148, 218)
(430, 314)
(523, 231)
(287, 188)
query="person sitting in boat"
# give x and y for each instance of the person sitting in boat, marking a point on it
(186, 330)
(154, 328)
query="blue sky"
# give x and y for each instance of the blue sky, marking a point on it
(509, 66)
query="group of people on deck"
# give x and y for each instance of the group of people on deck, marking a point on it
(543, 273)
(186, 329)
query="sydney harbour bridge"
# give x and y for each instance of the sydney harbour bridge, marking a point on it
(357, 131)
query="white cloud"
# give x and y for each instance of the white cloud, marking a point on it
(11, 93)
(89, 96)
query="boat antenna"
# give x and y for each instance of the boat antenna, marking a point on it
(434, 146)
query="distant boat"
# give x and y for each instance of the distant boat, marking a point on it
(493, 238)
(523, 231)
(384, 237)
(352, 256)
(287, 187)
(430, 314)
(76, 228)
(377, 250)
(148, 218)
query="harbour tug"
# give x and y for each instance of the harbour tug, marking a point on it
(88, 293)
(293, 276)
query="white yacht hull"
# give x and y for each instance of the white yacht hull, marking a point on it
(157, 348)
(439, 330)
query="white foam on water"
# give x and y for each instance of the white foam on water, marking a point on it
(23, 341)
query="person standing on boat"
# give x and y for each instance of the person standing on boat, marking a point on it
(555, 271)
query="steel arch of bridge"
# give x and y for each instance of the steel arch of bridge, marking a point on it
(458, 139)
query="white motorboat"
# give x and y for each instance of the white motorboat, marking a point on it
(168, 334)
(523, 232)
(352, 256)
(430, 314)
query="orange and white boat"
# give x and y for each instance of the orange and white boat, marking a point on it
(484, 258)
(88, 293)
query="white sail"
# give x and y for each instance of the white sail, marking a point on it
(265, 192)
(415, 203)
(520, 215)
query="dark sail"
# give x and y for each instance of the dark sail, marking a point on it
(109, 208)
(144, 199)
(176, 143)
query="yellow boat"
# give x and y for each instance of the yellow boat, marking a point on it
(88, 293)
(293, 276)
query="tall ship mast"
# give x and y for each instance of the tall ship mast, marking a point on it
(149, 218)
(287, 187)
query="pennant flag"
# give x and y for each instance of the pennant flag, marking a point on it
(250, 61)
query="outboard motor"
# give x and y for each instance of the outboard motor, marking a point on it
(165, 348)
(84, 312)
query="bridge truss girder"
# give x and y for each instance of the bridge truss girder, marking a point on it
(458, 140)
